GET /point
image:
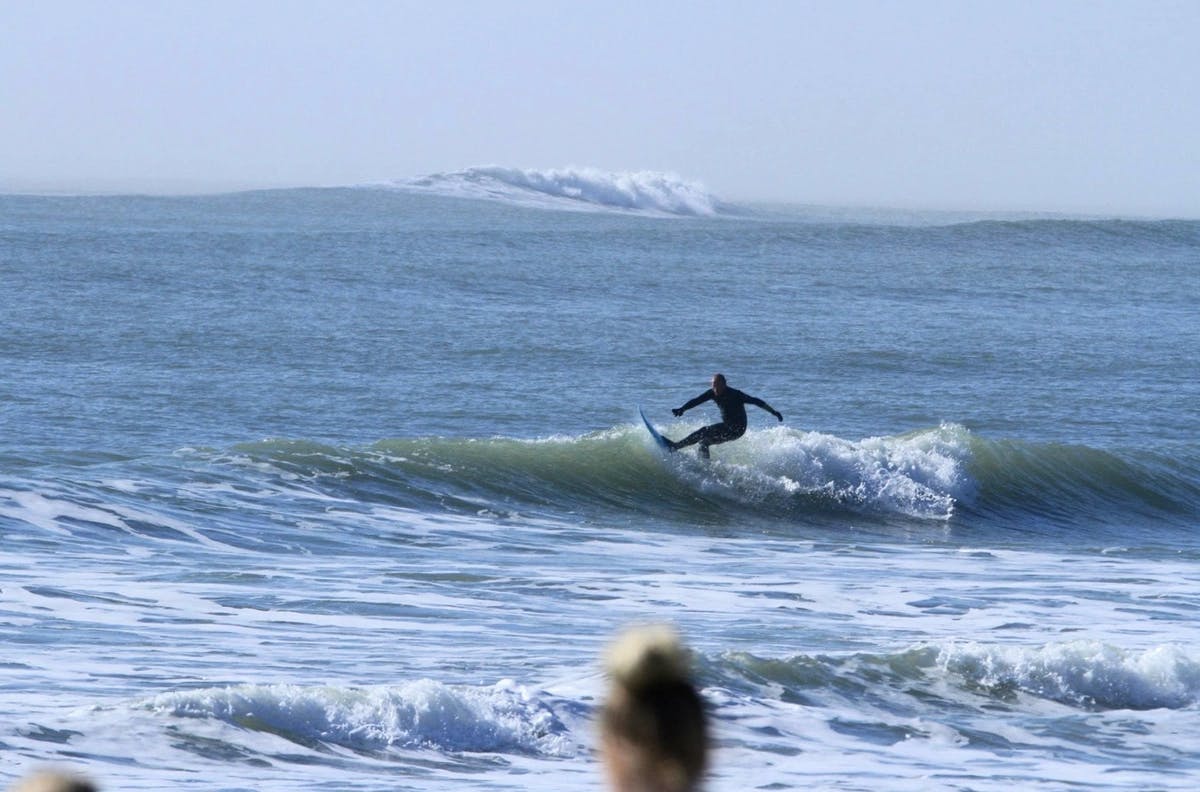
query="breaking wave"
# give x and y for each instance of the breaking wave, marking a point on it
(423, 714)
(579, 189)
(1086, 675)
(773, 473)
(778, 474)
(771, 479)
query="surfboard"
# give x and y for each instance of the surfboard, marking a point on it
(661, 441)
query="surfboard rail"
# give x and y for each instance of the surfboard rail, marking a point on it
(659, 440)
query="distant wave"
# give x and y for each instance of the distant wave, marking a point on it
(579, 189)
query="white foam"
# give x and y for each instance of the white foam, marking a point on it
(921, 475)
(56, 514)
(587, 189)
(1082, 673)
(419, 714)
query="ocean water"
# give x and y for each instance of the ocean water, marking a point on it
(345, 489)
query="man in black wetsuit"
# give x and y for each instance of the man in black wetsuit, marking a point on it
(732, 403)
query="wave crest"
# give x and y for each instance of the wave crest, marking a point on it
(641, 192)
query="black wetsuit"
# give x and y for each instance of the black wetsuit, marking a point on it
(732, 404)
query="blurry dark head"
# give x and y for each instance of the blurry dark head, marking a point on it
(653, 727)
(53, 781)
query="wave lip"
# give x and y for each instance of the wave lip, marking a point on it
(580, 189)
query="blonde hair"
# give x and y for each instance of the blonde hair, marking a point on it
(53, 781)
(654, 713)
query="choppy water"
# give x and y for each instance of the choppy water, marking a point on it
(345, 489)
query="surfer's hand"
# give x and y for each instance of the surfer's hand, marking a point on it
(676, 411)
(779, 415)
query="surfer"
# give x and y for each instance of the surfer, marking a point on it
(732, 403)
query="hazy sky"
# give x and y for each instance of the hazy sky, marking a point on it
(1057, 106)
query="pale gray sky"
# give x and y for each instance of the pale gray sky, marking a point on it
(1052, 106)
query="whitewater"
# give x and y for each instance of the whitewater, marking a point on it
(347, 489)
(646, 193)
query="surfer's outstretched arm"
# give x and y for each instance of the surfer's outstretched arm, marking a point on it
(703, 397)
(760, 403)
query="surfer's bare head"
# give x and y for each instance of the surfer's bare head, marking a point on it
(718, 384)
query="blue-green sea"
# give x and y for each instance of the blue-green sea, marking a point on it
(346, 489)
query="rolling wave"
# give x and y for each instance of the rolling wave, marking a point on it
(1086, 675)
(775, 479)
(586, 189)
(870, 696)
(945, 474)
(772, 473)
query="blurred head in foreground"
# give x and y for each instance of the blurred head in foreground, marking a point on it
(53, 781)
(653, 731)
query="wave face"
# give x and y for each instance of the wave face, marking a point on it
(1069, 485)
(586, 189)
(775, 474)
(778, 480)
